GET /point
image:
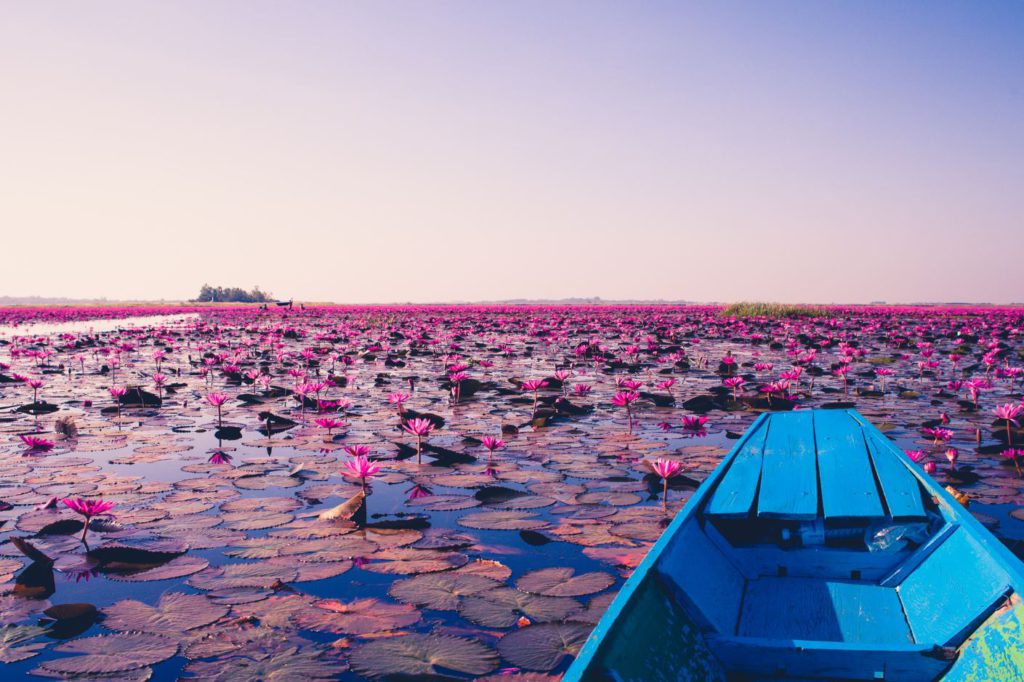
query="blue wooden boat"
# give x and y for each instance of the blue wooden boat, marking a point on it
(816, 551)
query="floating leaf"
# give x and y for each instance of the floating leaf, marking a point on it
(409, 561)
(359, 617)
(442, 591)
(502, 520)
(502, 607)
(293, 663)
(105, 654)
(344, 511)
(542, 647)
(175, 568)
(16, 642)
(416, 654)
(176, 612)
(560, 582)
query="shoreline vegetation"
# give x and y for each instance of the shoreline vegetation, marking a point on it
(776, 310)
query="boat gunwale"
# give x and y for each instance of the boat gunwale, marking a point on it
(596, 640)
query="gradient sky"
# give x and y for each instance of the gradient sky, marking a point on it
(431, 151)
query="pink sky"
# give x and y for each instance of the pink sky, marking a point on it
(368, 152)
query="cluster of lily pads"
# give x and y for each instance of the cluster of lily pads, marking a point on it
(379, 492)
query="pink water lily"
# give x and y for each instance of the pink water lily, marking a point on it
(419, 427)
(399, 399)
(217, 400)
(694, 423)
(1009, 412)
(492, 444)
(37, 444)
(626, 399)
(362, 468)
(666, 469)
(735, 383)
(117, 392)
(1014, 455)
(534, 385)
(329, 423)
(87, 508)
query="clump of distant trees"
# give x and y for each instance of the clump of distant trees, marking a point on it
(208, 294)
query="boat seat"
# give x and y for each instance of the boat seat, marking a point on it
(822, 610)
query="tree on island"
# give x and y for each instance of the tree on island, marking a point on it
(208, 294)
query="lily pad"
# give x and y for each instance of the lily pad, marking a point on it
(416, 654)
(561, 582)
(542, 647)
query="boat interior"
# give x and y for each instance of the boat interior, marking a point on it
(816, 556)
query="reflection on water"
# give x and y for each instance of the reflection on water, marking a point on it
(92, 325)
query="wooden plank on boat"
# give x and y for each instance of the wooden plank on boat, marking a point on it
(848, 488)
(944, 605)
(735, 495)
(900, 487)
(789, 471)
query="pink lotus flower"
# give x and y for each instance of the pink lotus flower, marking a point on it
(1014, 454)
(735, 383)
(666, 469)
(35, 384)
(626, 399)
(399, 399)
(37, 444)
(952, 454)
(534, 385)
(694, 423)
(87, 508)
(362, 468)
(419, 427)
(1009, 413)
(118, 392)
(329, 423)
(916, 455)
(492, 444)
(929, 468)
(358, 450)
(582, 389)
(938, 434)
(217, 400)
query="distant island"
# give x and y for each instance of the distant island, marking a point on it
(208, 294)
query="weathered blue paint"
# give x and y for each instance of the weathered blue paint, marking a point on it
(848, 489)
(735, 497)
(789, 471)
(701, 607)
(901, 490)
